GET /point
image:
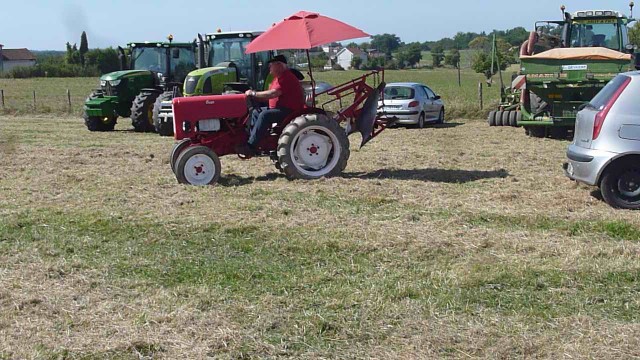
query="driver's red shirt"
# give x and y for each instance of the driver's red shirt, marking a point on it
(292, 96)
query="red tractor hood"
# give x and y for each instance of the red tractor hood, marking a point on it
(192, 109)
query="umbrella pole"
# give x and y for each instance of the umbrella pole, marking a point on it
(313, 82)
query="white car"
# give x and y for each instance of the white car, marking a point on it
(411, 104)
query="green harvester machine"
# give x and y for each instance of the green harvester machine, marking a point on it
(230, 70)
(563, 65)
(148, 70)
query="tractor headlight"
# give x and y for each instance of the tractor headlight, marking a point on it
(114, 82)
(103, 83)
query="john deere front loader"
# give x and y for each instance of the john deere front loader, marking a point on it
(152, 69)
(563, 65)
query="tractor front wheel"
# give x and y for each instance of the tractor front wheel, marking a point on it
(162, 128)
(99, 123)
(176, 151)
(142, 111)
(313, 146)
(198, 165)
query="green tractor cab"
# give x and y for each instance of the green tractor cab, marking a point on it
(150, 69)
(231, 70)
(563, 65)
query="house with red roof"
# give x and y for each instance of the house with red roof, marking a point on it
(11, 58)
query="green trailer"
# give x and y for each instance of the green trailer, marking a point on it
(553, 83)
(149, 69)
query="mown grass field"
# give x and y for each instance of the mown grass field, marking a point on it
(51, 93)
(452, 241)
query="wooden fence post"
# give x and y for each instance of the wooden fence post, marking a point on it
(2, 97)
(34, 100)
(480, 94)
(69, 99)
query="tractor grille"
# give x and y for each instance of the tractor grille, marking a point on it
(109, 90)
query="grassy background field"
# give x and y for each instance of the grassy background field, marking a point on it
(51, 95)
(458, 240)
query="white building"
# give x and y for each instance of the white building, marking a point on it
(11, 58)
(345, 56)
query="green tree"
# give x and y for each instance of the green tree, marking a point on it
(386, 43)
(437, 54)
(409, 55)
(73, 55)
(452, 58)
(352, 45)
(634, 34)
(105, 60)
(356, 62)
(84, 47)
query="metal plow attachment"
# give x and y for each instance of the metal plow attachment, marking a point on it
(368, 115)
(357, 101)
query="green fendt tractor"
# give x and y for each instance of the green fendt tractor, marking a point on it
(153, 68)
(230, 69)
(563, 65)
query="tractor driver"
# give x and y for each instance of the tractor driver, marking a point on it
(285, 96)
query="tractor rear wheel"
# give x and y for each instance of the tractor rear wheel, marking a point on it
(162, 128)
(313, 146)
(198, 165)
(142, 111)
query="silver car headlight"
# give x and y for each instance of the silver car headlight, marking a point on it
(103, 83)
(115, 82)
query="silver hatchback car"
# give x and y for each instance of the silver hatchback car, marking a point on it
(605, 151)
(411, 104)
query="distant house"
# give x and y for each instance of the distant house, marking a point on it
(373, 53)
(10, 58)
(345, 56)
(332, 49)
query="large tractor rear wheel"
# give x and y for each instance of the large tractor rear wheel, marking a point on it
(162, 128)
(198, 165)
(98, 123)
(142, 111)
(313, 146)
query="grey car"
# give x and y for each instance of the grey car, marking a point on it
(411, 104)
(605, 151)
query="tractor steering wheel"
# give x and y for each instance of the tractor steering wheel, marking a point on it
(253, 104)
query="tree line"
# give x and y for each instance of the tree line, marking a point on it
(75, 62)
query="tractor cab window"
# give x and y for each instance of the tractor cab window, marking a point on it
(549, 35)
(224, 50)
(596, 33)
(184, 63)
(150, 58)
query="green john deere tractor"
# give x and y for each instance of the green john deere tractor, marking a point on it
(563, 65)
(230, 69)
(153, 68)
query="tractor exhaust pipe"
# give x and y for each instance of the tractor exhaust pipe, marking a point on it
(201, 62)
(122, 57)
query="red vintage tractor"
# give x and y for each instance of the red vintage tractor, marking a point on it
(309, 144)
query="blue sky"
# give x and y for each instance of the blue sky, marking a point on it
(48, 25)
